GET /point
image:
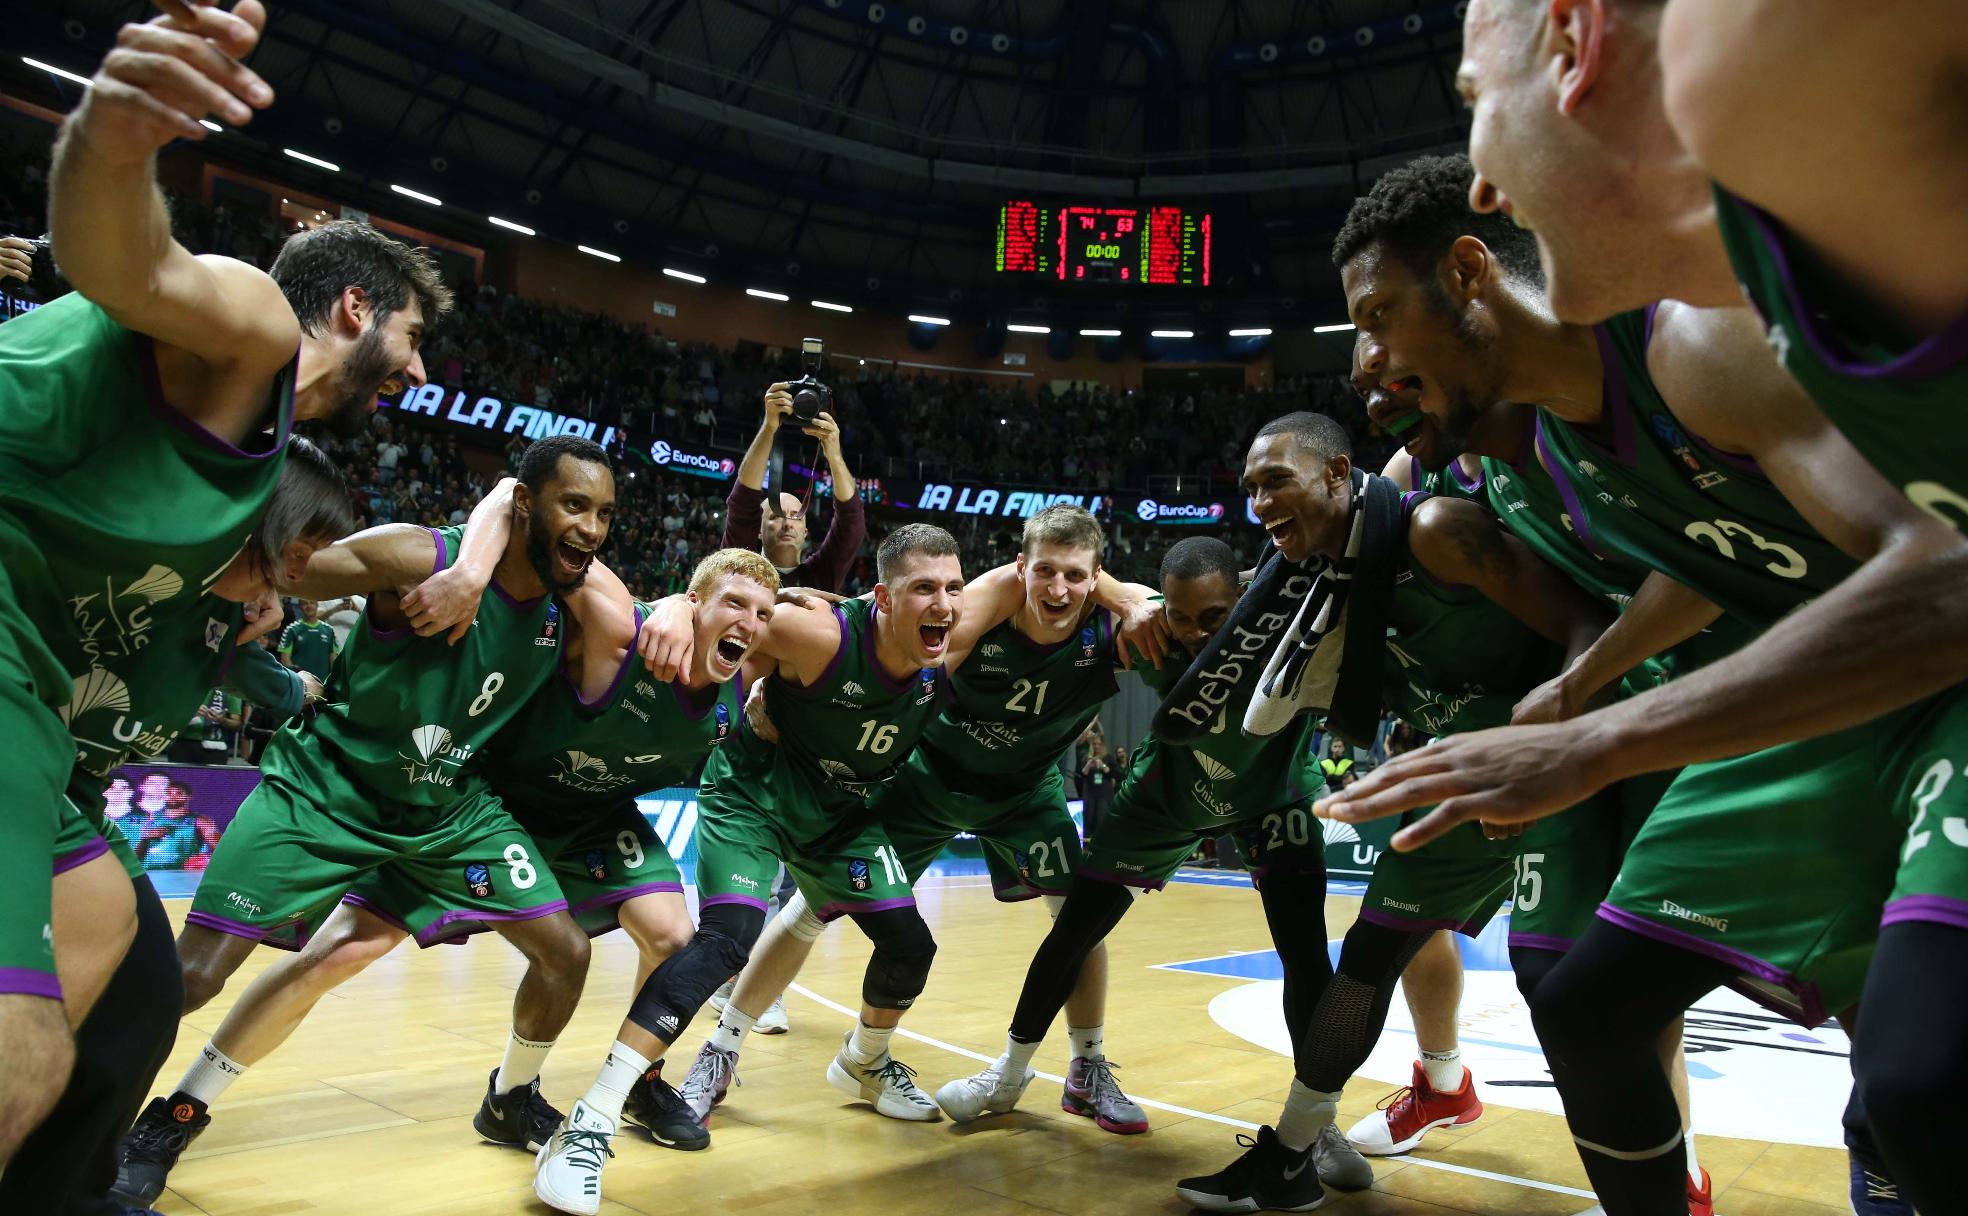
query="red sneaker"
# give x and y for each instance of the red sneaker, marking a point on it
(1406, 1115)
(1701, 1202)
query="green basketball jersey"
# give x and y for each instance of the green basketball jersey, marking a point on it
(1020, 705)
(1450, 482)
(1709, 520)
(310, 646)
(563, 760)
(132, 708)
(407, 716)
(116, 511)
(1225, 774)
(1455, 660)
(1523, 495)
(1897, 399)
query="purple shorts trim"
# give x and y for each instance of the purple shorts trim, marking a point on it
(1021, 893)
(1388, 920)
(1934, 909)
(435, 933)
(1142, 881)
(25, 981)
(750, 900)
(1809, 1011)
(82, 856)
(233, 927)
(1538, 941)
(291, 937)
(356, 901)
(624, 896)
(829, 912)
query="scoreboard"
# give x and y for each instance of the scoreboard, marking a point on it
(1093, 244)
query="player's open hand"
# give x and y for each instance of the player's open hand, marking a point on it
(1144, 628)
(1513, 774)
(1551, 701)
(16, 258)
(446, 601)
(668, 639)
(755, 715)
(168, 73)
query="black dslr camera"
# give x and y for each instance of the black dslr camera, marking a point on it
(810, 397)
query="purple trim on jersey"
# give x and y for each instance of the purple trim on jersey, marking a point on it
(874, 658)
(1581, 527)
(1616, 406)
(81, 857)
(228, 651)
(168, 413)
(354, 900)
(1386, 920)
(25, 981)
(1930, 356)
(696, 702)
(224, 925)
(832, 912)
(1809, 1010)
(443, 557)
(434, 934)
(438, 563)
(1142, 881)
(621, 673)
(833, 664)
(516, 604)
(1647, 334)
(1539, 941)
(749, 900)
(610, 898)
(1934, 909)
(1455, 471)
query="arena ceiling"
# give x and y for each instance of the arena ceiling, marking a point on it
(861, 145)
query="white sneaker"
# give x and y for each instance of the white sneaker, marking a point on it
(988, 1092)
(722, 997)
(773, 1020)
(1339, 1163)
(884, 1082)
(567, 1173)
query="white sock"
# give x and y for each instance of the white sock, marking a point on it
(733, 1025)
(1694, 1166)
(1443, 1069)
(522, 1063)
(869, 1043)
(624, 1068)
(1017, 1058)
(1089, 1042)
(1307, 1113)
(210, 1074)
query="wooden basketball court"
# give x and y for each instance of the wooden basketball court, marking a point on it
(367, 1110)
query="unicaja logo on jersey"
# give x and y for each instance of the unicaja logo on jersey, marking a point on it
(435, 761)
(590, 774)
(1216, 769)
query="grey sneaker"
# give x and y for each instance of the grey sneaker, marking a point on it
(1339, 1163)
(712, 1074)
(1092, 1091)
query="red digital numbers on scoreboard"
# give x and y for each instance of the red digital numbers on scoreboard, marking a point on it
(1089, 244)
(1019, 235)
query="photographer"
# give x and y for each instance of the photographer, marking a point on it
(784, 534)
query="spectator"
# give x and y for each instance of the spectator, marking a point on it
(784, 534)
(1098, 777)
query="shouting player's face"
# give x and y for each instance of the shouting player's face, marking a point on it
(1197, 607)
(1424, 360)
(381, 362)
(924, 602)
(731, 618)
(568, 520)
(1058, 579)
(1299, 499)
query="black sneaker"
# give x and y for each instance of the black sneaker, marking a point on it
(521, 1118)
(1268, 1176)
(151, 1147)
(1874, 1193)
(661, 1111)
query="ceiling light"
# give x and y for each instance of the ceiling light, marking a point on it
(497, 222)
(1171, 333)
(64, 73)
(1250, 333)
(1100, 333)
(603, 254)
(685, 275)
(419, 195)
(763, 294)
(1331, 329)
(1029, 329)
(316, 161)
(832, 307)
(922, 320)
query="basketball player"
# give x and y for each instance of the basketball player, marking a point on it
(173, 373)
(388, 775)
(1655, 469)
(988, 765)
(1173, 796)
(1474, 621)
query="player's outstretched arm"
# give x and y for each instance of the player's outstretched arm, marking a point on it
(111, 231)
(448, 600)
(1141, 624)
(989, 600)
(1459, 542)
(1663, 614)
(606, 613)
(384, 558)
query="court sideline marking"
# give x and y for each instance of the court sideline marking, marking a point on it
(1226, 1120)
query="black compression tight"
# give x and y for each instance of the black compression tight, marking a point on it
(1912, 1059)
(1295, 910)
(1091, 911)
(1350, 1012)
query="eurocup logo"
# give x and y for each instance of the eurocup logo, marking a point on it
(1147, 509)
(728, 467)
(1151, 512)
(663, 454)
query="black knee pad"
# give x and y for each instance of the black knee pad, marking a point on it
(904, 949)
(671, 996)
